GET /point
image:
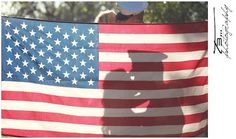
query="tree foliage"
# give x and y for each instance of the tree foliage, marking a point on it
(176, 12)
(157, 12)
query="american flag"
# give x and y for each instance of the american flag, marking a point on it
(103, 80)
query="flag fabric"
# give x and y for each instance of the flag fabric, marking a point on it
(103, 80)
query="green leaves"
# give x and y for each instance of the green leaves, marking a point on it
(157, 12)
(175, 12)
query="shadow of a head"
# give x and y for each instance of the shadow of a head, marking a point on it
(141, 59)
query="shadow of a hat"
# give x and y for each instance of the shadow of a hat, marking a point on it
(142, 54)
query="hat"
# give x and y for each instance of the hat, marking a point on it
(129, 8)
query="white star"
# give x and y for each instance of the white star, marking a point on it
(33, 58)
(17, 43)
(82, 50)
(33, 70)
(9, 49)
(82, 63)
(40, 27)
(25, 51)
(9, 61)
(7, 23)
(91, 44)
(41, 66)
(66, 74)
(91, 69)
(66, 36)
(9, 74)
(16, 31)
(74, 81)
(49, 73)
(17, 56)
(8, 35)
(49, 60)
(91, 57)
(82, 75)
(91, 31)
(32, 46)
(24, 26)
(49, 34)
(25, 63)
(58, 67)
(58, 54)
(25, 75)
(17, 68)
(66, 49)
(74, 43)
(66, 61)
(82, 37)
(41, 40)
(41, 78)
(57, 42)
(49, 47)
(32, 33)
(24, 38)
(74, 68)
(57, 80)
(74, 30)
(57, 28)
(41, 53)
(90, 82)
(74, 56)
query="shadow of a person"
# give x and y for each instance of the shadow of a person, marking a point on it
(131, 110)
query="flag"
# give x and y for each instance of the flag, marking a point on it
(63, 79)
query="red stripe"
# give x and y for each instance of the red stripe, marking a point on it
(105, 103)
(153, 66)
(40, 133)
(153, 85)
(154, 29)
(179, 47)
(106, 121)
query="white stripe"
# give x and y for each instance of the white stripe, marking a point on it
(152, 76)
(151, 57)
(101, 93)
(152, 38)
(107, 112)
(96, 129)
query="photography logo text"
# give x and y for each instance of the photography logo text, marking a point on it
(222, 31)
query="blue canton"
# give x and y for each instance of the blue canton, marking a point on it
(51, 53)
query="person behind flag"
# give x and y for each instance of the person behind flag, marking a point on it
(127, 12)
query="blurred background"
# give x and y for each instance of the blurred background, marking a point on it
(157, 12)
